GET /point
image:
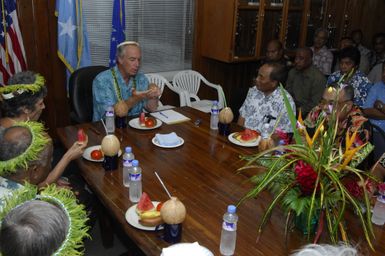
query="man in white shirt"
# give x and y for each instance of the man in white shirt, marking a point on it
(264, 102)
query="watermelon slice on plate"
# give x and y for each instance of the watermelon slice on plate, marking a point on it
(145, 203)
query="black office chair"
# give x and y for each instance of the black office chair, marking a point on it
(80, 93)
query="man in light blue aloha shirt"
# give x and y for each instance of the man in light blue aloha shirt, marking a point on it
(264, 102)
(374, 108)
(349, 59)
(123, 86)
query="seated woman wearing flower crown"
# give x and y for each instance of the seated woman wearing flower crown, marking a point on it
(23, 100)
(350, 116)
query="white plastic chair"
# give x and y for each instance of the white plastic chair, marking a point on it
(160, 81)
(190, 81)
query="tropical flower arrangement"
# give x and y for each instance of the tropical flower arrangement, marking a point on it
(315, 178)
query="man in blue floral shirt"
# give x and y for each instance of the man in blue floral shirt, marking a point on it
(123, 87)
(264, 102)
(349, 59)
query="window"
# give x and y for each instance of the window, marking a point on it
(164, 29)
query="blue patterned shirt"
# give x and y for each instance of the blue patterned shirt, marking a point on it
(360, 83)
(6, 188)
(104, 94)
(377, 92)
(257, 107)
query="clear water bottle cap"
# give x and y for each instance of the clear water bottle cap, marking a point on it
(128, 149)
(231, 209)
(215, 102)
(135, 163)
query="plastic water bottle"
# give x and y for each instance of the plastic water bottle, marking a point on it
(265, 131)
(135, 182)
(214, 119)
(280, 152)
(378, 216)
(110, 120)
(128, 157)
(229, 231)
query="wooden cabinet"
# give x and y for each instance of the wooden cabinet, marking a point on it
(238, 30)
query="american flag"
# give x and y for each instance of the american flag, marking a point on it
(12, 49)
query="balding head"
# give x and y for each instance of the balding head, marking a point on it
(14, 141)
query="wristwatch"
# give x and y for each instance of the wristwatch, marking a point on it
(380, 106)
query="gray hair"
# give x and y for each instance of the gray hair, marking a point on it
(25, 77)
(120, 49)
(349, 92)
(33, 228)
(13, 146)
(326, 250)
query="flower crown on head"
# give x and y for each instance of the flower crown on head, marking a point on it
(14, 90)
(60, 197)
(38, 143)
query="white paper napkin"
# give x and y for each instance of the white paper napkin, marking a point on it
(186, 249)
(169, 139)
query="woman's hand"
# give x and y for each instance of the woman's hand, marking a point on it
(76, 150)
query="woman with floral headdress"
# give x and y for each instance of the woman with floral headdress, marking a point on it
(23, 100)
(49, 222)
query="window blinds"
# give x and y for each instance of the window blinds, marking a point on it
(164, 29)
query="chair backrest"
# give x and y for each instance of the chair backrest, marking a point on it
(160, 81)
(80, 93)
(188, 80)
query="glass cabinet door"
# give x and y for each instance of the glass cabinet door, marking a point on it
(246, 33)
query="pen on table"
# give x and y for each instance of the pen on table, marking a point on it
(163, 114)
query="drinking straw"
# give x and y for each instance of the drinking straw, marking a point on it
(104, 125)
(161, 182)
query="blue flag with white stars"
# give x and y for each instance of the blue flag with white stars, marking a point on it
(73, 47)
(118, 27)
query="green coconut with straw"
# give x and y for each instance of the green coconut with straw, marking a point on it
(226, 115)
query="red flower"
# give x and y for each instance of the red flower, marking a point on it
(353, 188)
(306, 177)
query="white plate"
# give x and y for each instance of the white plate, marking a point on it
(156, 143)
(134, 123)
(133, 218)
(246, 144)
(87, 153)
(202, 252)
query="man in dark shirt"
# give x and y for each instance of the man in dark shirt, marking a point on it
(305, 82)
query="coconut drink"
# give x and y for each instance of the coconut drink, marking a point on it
(173, 213)
(110, 148)
(226, 116)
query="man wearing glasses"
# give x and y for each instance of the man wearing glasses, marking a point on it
(350, 116)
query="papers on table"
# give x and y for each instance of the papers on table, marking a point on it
(170, 116)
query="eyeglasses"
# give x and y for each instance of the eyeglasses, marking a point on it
(332, 102)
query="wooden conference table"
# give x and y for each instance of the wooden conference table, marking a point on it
(202, 174)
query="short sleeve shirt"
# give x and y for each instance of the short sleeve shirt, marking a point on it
(257, 107)
(360, 83)
(6, 188)
(377, 92)
(323, 60)
(104, 93)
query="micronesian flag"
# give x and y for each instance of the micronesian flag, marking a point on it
(118, 27)
(73, 47)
